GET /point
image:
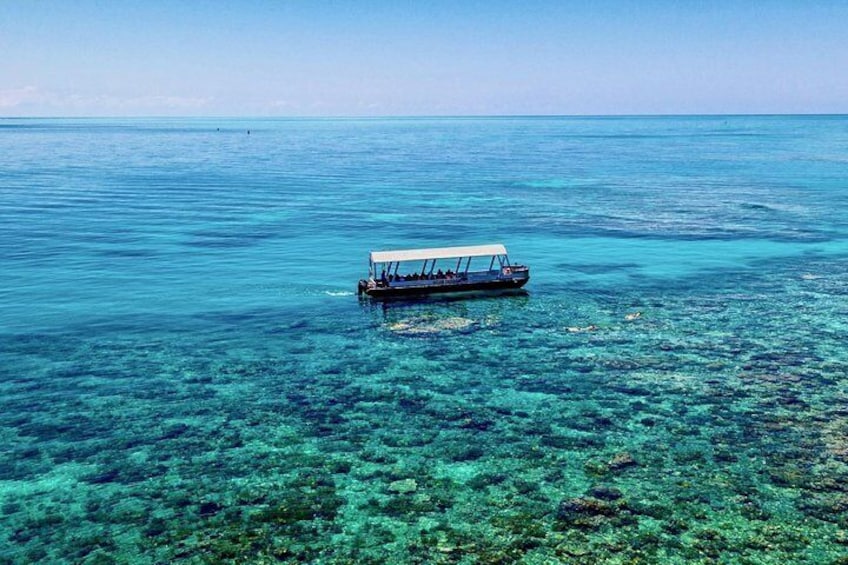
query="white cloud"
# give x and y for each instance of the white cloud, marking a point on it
(280, 104)
(161, 102)
(34, 100)
(16, 97)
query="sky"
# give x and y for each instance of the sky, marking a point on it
(425, 57)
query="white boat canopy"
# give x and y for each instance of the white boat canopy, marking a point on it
(437, 253)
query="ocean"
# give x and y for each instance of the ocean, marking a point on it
(188, 376)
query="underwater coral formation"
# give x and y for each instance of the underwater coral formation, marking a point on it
(693, 438)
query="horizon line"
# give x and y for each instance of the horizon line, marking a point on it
(424, 116)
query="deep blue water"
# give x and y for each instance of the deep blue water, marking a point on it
(188, 375)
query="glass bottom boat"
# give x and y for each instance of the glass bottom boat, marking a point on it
(411, 272)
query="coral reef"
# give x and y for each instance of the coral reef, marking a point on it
(698, 439)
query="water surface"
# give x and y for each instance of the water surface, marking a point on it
(187, 375)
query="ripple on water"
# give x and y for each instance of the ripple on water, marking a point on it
(187, 375)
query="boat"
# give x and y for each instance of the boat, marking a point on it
(410, 272)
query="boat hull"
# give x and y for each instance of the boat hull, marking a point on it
(423, 290)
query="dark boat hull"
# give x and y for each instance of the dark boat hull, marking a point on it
(423, 290)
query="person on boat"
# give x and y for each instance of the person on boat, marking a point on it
(383, 278)
(440, 274)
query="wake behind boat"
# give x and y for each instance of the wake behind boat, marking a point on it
(444, 269)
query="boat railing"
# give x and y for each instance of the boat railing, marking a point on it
(454, 279)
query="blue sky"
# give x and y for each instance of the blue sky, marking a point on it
(377, 58)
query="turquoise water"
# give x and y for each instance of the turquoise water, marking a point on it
(188, 376)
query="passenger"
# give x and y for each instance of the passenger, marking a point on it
(383, 278)
(440, 274)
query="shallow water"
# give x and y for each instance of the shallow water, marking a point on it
(188, 376)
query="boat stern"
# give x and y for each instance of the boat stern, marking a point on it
(362, 287)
